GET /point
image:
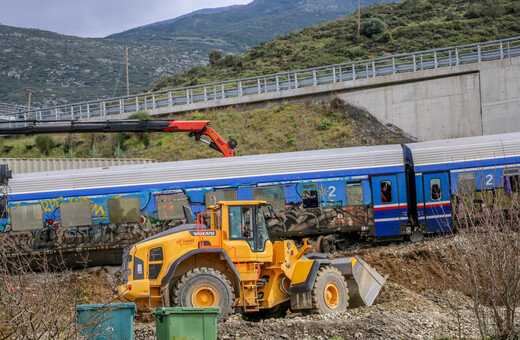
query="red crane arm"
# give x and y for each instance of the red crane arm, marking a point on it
(196, 128)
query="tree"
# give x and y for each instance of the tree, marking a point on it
(372, 27)
(214, 57)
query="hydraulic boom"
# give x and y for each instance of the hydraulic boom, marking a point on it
(195, 128)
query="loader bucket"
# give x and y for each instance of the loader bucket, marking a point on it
(364, 282)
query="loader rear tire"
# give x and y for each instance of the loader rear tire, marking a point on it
(204, 287)
(330, 292)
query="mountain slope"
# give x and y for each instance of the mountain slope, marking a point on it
(412, 25)
(247, 25)
(65, 69)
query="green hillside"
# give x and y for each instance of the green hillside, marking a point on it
(387, 29)
(275, 129)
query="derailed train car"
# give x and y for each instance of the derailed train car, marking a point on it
(335, 196)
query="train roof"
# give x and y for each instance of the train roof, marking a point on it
(465, 152)
(207, 172)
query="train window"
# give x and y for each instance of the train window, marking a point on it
(220, 195)
(124, 210)
(467, 183)
(386, 191)
(310, 196)
(170, 206)
(273, 195)
(354, 193)
(512, 180)
(75, 213)
(26, 217)
(435, 189)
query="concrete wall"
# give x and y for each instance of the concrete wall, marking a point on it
(449, 102)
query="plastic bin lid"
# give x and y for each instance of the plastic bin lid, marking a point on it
(185, 310)
(114, 306)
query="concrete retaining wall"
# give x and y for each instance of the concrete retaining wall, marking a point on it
(449, 102)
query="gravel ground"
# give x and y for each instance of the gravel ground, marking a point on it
(397, 313)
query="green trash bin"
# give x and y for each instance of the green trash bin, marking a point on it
(191, 323)
(113, 321)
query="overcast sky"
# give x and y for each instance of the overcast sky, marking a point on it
(97, 18)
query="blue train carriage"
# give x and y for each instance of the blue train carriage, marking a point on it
(451, 175)
(333, 196)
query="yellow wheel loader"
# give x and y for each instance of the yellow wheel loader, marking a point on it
(224, 258)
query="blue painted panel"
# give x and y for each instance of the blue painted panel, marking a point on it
(494, 162)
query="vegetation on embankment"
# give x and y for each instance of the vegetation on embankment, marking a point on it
(274, 129)
(408, 26)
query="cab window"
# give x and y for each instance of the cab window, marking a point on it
(272, 195)
(240, 223)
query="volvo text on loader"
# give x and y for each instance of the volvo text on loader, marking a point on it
(225, 259)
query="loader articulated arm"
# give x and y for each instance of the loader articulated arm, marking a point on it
(195, 128)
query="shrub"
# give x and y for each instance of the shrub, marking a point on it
(324, 125)
(139, 115)
(372, 26)
(44, 143)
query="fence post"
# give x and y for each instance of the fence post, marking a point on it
(170, 99)
(414, 64)
(435, 65)
(450, 57)
(479, 53)
(333, 74)
(501, 51)
(121, 106)
(56, 114)
(457, 57)
(136, 103)
(509, 50)
(153, 101)
(223, 93)
(366, 66)
(214, 92)
(240, 88)
(205, 94)
(187, 96)
(71, 113)
(393, 65)
(314, 80)
(340, 74)
(101, 108)
(295, 80)
(145, 102)
(265, 85)
(88, 110)
(104, 109)
(353, 72)
(277, 84)
(260, 85)
(422, 66)
(373, 69)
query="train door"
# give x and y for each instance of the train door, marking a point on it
(437, 205)
(387, 213)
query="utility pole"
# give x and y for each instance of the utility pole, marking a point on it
(359, 18)
(29, 104)
(127, 80)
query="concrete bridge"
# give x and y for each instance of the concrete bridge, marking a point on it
(453, 92)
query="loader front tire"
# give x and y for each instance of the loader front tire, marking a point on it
(330, 292)
(204, 287)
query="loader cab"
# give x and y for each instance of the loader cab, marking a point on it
(244, 229)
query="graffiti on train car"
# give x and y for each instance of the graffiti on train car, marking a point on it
(296, 219)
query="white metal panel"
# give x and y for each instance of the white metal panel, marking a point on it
(465, 149)
(25, 165)
(217, 168)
